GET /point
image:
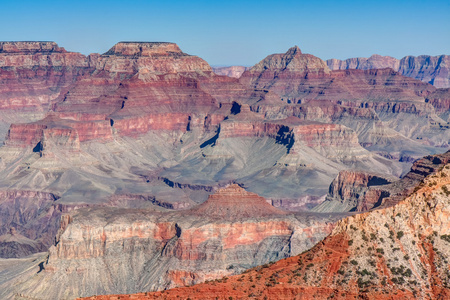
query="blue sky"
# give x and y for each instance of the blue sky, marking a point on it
(237, 32)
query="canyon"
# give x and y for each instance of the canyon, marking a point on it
(232, 231)
(398, 252)
(144, 166)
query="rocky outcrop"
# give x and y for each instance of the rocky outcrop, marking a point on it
(29, 214)
(290, 66)
(30, 47)
(380, 105)
(400, 252)
(297, 77)
(137, 57)
(362, 191)
(292, 132)
(431, 69)
(56, 132)
(232, 231)
(144, 49)
(293, 60)
(440, 100)
(350, 191)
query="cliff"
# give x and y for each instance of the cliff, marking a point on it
(431, 69)
(362, 191)
(34, 73)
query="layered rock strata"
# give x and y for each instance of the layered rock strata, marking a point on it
(362, 191)
(145, 124)
(400, 252)
(431, 69)
(125, 251)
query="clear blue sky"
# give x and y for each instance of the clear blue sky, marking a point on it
(232, 32)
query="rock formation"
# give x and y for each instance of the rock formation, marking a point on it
(129, 250)
(431, 69)
(108, 159)
(400, 252)
(146, 124)
(361, 191)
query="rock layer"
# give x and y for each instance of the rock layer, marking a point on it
(431, 69)
(121, 250)
(362, 191)
(400, 252)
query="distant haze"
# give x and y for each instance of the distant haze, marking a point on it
(237, 32)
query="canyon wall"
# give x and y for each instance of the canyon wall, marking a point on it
(431, 69)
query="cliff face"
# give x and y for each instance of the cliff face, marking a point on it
(380, 105)
(400, 252)
(362, 191)
(125, 251)
(431, 69)
(374, 62)
(350, 191)
(34, 73)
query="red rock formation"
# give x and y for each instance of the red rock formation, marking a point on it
(295, 76)
(440, 100)
(29, 213)
(58, 131)
(233, 202)
(292, 132)
(22, 245)
(34, 73)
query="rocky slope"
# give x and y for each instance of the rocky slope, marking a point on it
(400, 252)
(13, 244)
(129, 250)
(431, 69)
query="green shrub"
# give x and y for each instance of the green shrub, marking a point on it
(446, 237)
